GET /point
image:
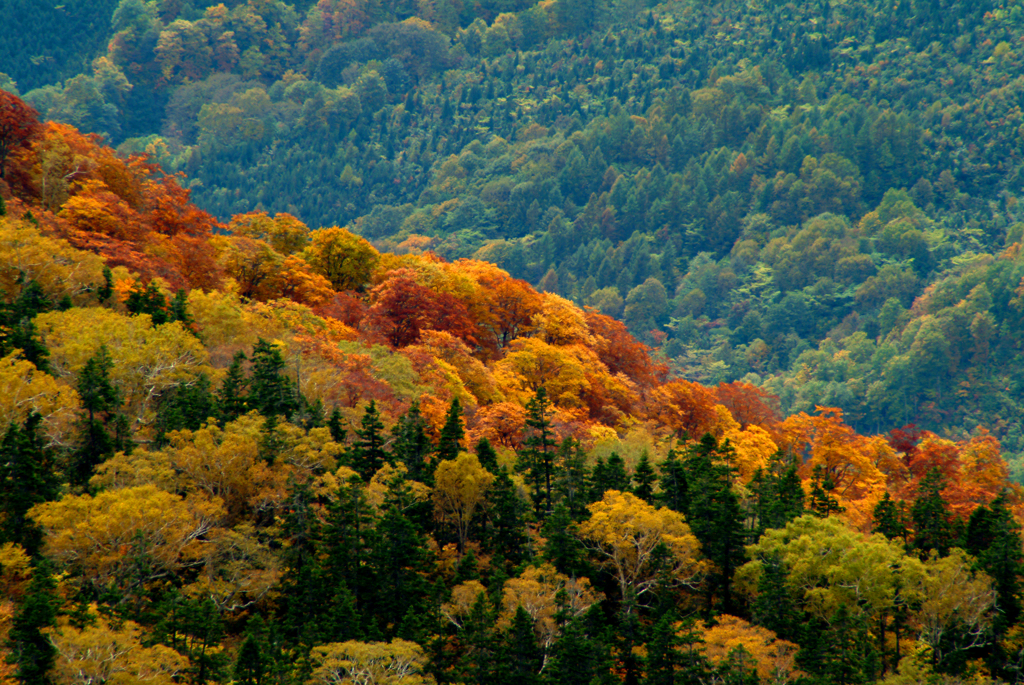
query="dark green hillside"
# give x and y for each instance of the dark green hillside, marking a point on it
(47, 42)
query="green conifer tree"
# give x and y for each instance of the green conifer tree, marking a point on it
(993, 537)
(713, 511)
(645, 478)
(778, 494)
(106, 291)
(610, 475)
(232, 399)
(889, 519)
(186, 407)
(562, 547)
(537, 456)
(147, 299)
(179, 309)
(452, 434)
(17, 330)
(26, 478)
(335, 424)
(194, 628)
(102, 429)
(505, 533)
(270, 390)
(399, 561)
(933, 522)
(774, 607)
(366, 455)
(674, 488)
(823, 503)
(519, 658)
(411, 444)
(485, 453)
(31, 650)
(572, 484)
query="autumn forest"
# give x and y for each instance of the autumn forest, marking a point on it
(511, 342)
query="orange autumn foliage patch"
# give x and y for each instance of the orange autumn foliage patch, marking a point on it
(390, 328)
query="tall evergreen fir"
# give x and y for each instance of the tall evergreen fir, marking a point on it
(345, 541)
(934, 528)
(993, 537)
(572, 484)
(485, 453)
(232, 398)
(840, 650)
(185, 407)
(302, 592)
(822, 502)
(271, 442)
(17, 330)
(479, 642)
(507, 513)
(562, 547)
(270, 390)
(102, 429)
(106, 291)
(366, 455)
(537, 456)
(179, 309)
(774, 607)
(31, 650)
(674, 656)
(519, 658)
(890, 519)
(193, 627)
(399, 562)
(610, 475)
(582, 654)
(778, 494)
(449, 444)
(644, 478)
(626, 638)
(147, 299)
(713, 512)
(411, 444)
(251, 663)
(336, 425)
(27, 478)
(674, 488)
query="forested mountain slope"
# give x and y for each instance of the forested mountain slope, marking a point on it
(251, 452)
(804, 196)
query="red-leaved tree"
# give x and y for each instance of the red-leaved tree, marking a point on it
(18, 123)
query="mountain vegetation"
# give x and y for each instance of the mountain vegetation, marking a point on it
(255, 453)
(802, 197)
(632, 343)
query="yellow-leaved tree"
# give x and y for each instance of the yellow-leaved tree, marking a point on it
(398, 662)
(284, 232)
(533, 363)
(831, 566)
(148, 359)
(102, 537)
(538, 590)
(27, 389)
(27, 255)
(226, 463)
(103, 653)
(460, 486)
(774, 659)
(627, 533)
(343, 258)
